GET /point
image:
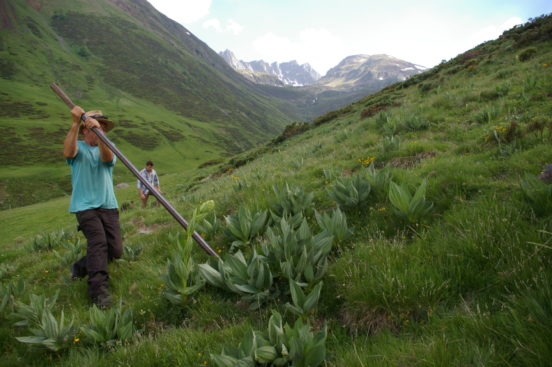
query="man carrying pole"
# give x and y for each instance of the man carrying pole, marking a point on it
(96, 129)
(93, 201)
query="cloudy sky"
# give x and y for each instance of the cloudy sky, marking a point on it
(323, 32)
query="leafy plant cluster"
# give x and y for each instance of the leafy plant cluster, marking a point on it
(72, 251)
(286, 254)
(50, 241)
(371, 186)
(105, 327)
(390, 125)
(280, 345)
(182, 278)
(289, 262)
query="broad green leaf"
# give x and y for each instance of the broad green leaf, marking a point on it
(211, 275)
(265, 354)
(312, 299)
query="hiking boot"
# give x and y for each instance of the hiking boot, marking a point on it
(103, 301)
(75, 274)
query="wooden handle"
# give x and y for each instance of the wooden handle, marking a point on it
(57, 90)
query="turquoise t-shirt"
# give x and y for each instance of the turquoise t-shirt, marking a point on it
(92, 180)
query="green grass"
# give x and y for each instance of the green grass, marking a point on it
(157, 84)
(468, 284)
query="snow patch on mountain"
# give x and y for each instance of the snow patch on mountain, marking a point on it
(287, 73)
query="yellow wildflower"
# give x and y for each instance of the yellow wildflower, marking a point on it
(366, 161)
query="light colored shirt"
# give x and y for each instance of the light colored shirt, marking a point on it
(151, 178)
(92, 180)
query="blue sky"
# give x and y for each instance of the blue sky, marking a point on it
(323, 32)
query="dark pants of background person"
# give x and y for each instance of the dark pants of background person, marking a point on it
(102, 231)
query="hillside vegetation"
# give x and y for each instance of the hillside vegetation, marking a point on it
(408, 229)
(171, 96)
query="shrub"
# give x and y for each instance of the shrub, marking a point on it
(49, 241)
(382, 118)
(182, 278)
(132, 253)
(251, 279)
(379, 181)
(297, 254)
(73, 251)
(332, 115)
(390, 144)
(391, 128)
(427, 86)
(527, 54)
(303, 304)
(416, 123)
(210, 227)
(31, 314)
(291, 200)
(490, 95)
(350, 192)
(413, 208)
(280, 345)
(290, 130)
(109, 327)
(50, 333)
(334, 225)
(487, 114)
(372, 110)
(9, 293)
(245, 226)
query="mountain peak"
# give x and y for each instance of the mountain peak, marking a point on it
(289, 73)
(355, 71)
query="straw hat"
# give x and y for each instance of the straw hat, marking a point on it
(103, 120)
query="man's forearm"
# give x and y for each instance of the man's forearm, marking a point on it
(106, 155)
(70, 143)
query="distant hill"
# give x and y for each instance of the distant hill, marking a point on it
(361, 71)
(278, 74)
(173, 98)
(358, 72)
(353, 78)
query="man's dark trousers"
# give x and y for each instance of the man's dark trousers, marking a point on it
(102, 231)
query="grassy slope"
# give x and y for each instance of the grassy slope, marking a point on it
(469, 286)
(176, 102)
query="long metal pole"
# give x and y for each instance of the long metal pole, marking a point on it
(200, 241)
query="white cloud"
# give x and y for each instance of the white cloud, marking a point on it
(494, 31)
(317, 46)
(183, 11)
(234, 27)
(231, 26)
(213, 23)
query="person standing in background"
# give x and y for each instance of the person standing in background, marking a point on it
(151, 177)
